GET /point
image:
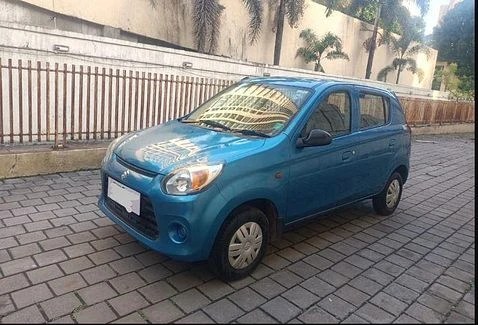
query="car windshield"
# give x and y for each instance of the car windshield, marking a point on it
(256, 109)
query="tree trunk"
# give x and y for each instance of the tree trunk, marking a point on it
(398, 74)
(317, 64)
(279, 32)
(373, 43)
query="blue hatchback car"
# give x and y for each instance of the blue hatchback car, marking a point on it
(221, 182)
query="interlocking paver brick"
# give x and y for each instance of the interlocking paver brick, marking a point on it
(318, 262)
(157, 291)
(133, 318)
(333, 277)
(7, 243)
(24, 250)
(412, 283)
(190, 300)
(388, 303)
(76, 265)
(99, 313)
(163, 312)
(50, 257)
(154, 273)
(336, 306)
(98, 274)
(60, 306)
(18, 265)
(128, 303)
(400, 292)
(444, 292)
(436, 303)
(223, 311)
(365, 285)
(302, 269)
(67, 283)
(129, 249)
(247, 299)
(268, 288)
(96, 293)
(466, 309)
(424, 314)
(44, 274)
(256, 316)
(215, 289)
(184, 281)
(300, 297)
(6, 305)
(352, 295)
(374, 314)
(81, 237)
(315, 315)
(286, 278)
(54, 243)
(281, 309)
(25, 316)
(104, 243)
(127, 282)
(31, 295)
(126, 265)
(318, 286)
(456, 318)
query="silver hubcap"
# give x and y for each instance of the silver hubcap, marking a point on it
(392, 193)
(245, 245)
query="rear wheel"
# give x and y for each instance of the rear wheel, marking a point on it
(240, 245)
(387, 201)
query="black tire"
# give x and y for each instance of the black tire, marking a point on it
(380, 200)
(219, 257)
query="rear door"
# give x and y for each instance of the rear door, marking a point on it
(375, 139)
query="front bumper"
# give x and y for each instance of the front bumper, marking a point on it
(197, 214)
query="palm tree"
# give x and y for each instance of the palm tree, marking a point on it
(405, 51)
(206, 21)
(386, 8)
(387, 14)
(330, 44)
(293, 10)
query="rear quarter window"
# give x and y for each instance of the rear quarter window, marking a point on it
(374, 110)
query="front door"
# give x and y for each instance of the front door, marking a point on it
(320, 176)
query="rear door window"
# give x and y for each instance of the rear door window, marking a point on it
(374, 110)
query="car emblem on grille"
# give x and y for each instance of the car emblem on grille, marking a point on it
(124, 175)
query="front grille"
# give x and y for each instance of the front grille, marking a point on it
(145, 223)
(138, 170)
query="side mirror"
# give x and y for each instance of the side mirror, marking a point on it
(316, 137)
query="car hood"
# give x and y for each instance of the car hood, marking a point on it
(163, 148)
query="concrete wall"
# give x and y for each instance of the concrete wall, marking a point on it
(171, 21)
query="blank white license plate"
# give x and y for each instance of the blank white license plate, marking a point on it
(121, 194)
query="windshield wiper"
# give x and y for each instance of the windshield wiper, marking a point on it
(208, 122)
(252, 132)
(215, 124)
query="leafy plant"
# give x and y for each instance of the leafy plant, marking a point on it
(329, 45)
(406, 48)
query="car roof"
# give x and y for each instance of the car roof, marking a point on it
(309, 82)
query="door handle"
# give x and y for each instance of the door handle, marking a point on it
(347, 155)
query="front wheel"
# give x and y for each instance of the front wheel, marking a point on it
(387, 201)
(240, 244)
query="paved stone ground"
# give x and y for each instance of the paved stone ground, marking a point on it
(62, 261)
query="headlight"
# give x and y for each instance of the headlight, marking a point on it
(112, 146)
(191, 179)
